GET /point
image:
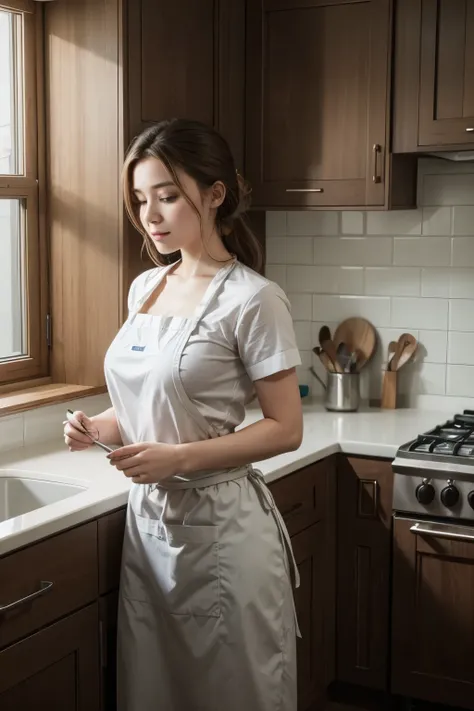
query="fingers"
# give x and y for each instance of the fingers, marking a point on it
(74, 434)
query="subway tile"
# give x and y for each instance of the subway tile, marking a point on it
(312, 223)
(299, 250)
(433, 345)
(275, 223)
(435, 282)
(422, 378)
(463, 252)
(456, 189)
(276, 250)
(392, 281)
(460, 381)
(303, 335)
(301, 306)
(353, 251)
(325, 280)
(397, 222)
(422, 251)
(352, 223)
(463, 220)
(461, 314)
(461, 348)
(436, 221)
(302, 371)
(419, 313)
(11, 432)
(462, 284)
(276, 273)
(336, 308)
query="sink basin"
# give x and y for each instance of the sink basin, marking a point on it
(21, 494)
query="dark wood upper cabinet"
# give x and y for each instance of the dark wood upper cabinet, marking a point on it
(364, 517)
(186, 60)
(434, 70)
(433, 613)
(318, 102)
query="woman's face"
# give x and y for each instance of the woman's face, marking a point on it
(164, 212)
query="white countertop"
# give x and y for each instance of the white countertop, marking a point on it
(369, 432)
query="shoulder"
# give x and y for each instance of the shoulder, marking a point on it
(252, 288)
(141, 284)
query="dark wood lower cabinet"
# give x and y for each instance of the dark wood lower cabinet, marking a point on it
(308, 547)
(56, 669)
(364, 521)
(433, 614)
(108, 608)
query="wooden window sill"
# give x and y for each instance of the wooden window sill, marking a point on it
(13, 401)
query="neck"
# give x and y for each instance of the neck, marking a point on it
(207, 257)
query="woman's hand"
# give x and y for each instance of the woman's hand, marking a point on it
(74, 432)
(146, 462)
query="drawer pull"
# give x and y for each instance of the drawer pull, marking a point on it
(377, 150)
(441, 530)
(45, 586)
(286, 513)
(305, 190)
(469, 130)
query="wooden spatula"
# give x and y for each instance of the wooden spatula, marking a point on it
(406, 346)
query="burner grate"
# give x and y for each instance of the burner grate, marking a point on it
(449, 438)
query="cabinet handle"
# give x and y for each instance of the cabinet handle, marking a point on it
(292, 509)
(305, 190)
(442, 530)
(45, 586)
(377, 149)
(470, 130)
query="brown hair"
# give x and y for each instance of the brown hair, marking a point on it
(204, 155)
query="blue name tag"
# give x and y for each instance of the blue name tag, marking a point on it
(138, 348)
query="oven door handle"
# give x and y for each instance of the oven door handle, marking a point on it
(443, 530)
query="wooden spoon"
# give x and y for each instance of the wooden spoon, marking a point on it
(406, 341)
(359, 335)
(408, 352)
(324, 358)
(392, 347)
(328, 347)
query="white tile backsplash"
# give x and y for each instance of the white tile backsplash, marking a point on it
(408, 270)
(422, 251)
(463, 221)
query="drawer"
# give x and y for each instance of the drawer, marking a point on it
(68, 561)
(301, 496)
(110, 529)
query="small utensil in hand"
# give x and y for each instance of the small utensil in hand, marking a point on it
(106, 448)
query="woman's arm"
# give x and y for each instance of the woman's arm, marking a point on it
(280, 430)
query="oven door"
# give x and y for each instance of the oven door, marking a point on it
(433, 611)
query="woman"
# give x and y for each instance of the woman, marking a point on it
(206, 618)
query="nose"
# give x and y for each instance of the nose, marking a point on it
(152, 213)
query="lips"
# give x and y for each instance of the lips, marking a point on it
(159, 235)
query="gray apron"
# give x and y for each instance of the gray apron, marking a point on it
(206, 614)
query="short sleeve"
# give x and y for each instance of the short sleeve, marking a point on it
(265, 334)
(138, 289)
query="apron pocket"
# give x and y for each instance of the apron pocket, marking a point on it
(180, 567)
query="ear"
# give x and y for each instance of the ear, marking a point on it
(218, 192)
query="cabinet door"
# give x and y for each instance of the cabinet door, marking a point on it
(186, 60)
(56, 669)
(363, 570)
(308, 548)
(433, 613)
(108, 607)
(447, 73)
(316, 101)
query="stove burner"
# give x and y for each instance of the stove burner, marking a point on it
(454, 438)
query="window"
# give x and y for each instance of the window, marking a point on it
(23, 347)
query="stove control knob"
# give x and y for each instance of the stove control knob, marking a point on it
(450, 495)
(470, 499)
(425, 493)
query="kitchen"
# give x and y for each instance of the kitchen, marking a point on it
(334, 110)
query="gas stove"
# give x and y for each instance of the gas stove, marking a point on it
(434, 473)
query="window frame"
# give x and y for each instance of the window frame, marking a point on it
(29, 186)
